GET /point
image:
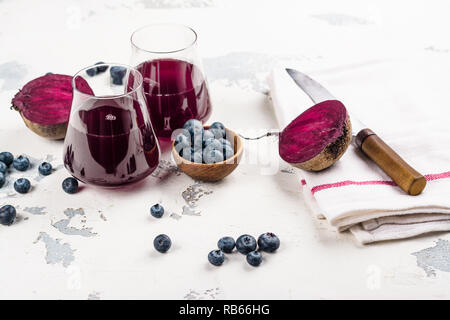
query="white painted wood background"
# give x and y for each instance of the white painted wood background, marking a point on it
(105, 250)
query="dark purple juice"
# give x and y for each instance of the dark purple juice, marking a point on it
(110, 144)
(176, 91)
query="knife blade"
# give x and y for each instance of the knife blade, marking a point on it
(406, 177)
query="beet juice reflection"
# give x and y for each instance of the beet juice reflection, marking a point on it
(174, 83)
(110, 140)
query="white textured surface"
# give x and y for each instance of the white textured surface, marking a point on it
(240, 41)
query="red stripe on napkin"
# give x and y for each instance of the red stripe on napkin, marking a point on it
(428, 177)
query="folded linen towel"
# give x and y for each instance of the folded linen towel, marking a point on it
(397, 100)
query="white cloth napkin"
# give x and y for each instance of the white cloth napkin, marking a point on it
(406, 102)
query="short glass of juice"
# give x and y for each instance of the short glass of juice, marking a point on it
(110, 139)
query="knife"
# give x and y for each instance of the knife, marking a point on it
(406, 177)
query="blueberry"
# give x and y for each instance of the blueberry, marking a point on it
(197, 157)
(268, 242)
(48, 73)
(7, 158)
(22, 185)
(188, 154)
(218, 133)
(162, 243)
(193, 123)
(212, 155)
(225, 142)
(2, 179)
(217, 125)
(226, 244)
(7, 215)
(91, 72)
(45, 168)
(213, 144)
(117, 74)
(181, 141)
(228, 152)
(254, 258)
(198, 142)
(70, 185)
(3, 167)
(207, 134)
(101, 69)
(195, 132)
(245, 244)
(21, 163)
(216, 257)
(157, 210)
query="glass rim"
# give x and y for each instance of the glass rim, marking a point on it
(164, 24)
(109, 64)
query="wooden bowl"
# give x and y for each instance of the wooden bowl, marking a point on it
(213, 171)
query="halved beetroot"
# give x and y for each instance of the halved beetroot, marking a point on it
(44, 104)
(318, 137)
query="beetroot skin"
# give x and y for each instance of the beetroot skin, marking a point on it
(44, 104)
(318, 137)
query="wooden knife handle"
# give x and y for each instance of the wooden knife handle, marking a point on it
(411, 181)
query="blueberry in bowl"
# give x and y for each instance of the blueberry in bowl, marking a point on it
(207, 153)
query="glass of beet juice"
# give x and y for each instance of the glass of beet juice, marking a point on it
(174, 82)
(110, 139)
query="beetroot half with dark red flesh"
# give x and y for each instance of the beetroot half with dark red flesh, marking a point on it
(318, 137)
(44, 104)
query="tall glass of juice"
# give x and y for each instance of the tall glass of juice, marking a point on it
(174, 82)
(110, 139)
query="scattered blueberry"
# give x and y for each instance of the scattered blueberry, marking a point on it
(228, 152)
(21, 163)
(226, 244)
(2, 179)
(254, 258)
(70, 185)
(7, 158)
(48, 73)
(162, 243)
(45, 168)
(22, 185)
(216, 257)
(268, 242)
(157, 210)
(3, 167)
(101, 69)
(245, 244)
(117, 74)
(91, 72)
(212, 156)
(7, 215)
